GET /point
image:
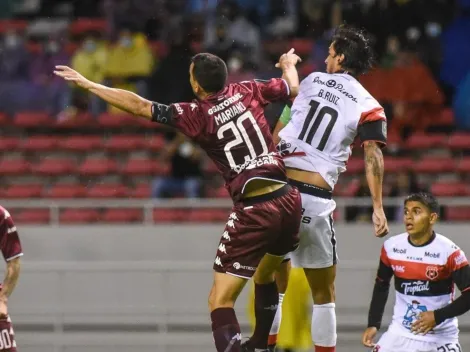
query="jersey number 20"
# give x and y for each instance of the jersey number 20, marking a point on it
(308, 132)
(241, 136)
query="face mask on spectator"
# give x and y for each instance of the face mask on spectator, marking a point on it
(12, 41)
(125, 42)
(433, 29)
(89, 45)
(186, 149)
(413, 34)
(234, 64)
(52, 47)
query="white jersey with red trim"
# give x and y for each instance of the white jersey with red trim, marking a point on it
(326, 117)
(424, 281)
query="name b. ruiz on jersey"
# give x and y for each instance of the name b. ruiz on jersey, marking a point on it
(332, 84)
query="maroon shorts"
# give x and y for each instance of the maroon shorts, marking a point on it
(7, 336)
(264, 224)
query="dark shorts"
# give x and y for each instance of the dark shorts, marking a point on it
(7, 336)
(265, 224)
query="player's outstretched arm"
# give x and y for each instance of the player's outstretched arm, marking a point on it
(287, 64)
(374, 167)
(9, 283)
(281, 123)
(120, 98)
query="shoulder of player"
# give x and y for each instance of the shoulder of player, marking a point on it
(446, 244)
(395, 240)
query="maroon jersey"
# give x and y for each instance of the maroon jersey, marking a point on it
(10, 244)
(231, 127)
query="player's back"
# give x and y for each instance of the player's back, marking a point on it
(231, 127)
(327, 115)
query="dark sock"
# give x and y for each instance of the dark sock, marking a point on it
(266, 301)
(225, 329)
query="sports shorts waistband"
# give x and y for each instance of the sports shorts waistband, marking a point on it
(311, 189)
(247, 202)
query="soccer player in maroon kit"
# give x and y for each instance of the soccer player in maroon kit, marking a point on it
(228, 122)
(11, 250)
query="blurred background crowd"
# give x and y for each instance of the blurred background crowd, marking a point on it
(59, 142)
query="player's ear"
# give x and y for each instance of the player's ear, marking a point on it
(340, 59)
(433, 218)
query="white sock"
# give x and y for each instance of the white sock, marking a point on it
(277, 318)
(324, 325)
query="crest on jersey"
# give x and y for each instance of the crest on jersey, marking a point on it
(432, 272)
(412, 313)
(330, 83)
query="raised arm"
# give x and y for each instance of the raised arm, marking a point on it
(281, 123)
(287, 64)
(119, 98)
(374, 168)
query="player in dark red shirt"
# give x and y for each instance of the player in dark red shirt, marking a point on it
(11, 250)
(228, 122)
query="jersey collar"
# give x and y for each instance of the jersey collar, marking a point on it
(433, 236)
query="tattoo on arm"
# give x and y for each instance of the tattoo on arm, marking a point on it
(374, 164)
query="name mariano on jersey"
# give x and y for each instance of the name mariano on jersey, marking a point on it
(424, 278)
(325, 118)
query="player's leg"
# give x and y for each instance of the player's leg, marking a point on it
(225, 328)
(282, 277)
(322, 286)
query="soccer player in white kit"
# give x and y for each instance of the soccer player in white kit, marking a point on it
(331, 110)
(425, 266)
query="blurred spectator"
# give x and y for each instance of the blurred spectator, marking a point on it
(170, 80)
(404, 184)
(238, 70)
(6, 8)
(14, 58)
(186, 174)
(130, 61)
(221, 44)
(53, 93)
(283, 18)
(90, 60)
(461, 104)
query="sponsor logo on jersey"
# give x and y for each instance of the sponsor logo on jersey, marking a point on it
(222, 248)
(460, 259)
(399, 250)
(417, 259)
(334, 85)
(411, 288)
(224, 104)
(238, 266)
(412, 313)
(432, 272)
(226, 236)
(217, 261)
(398, 268)
(179, 109)
(432, 255)
(259, 161)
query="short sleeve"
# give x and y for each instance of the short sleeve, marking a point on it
(185, 117)
(10, 244)
(270, 91)
(372, 123)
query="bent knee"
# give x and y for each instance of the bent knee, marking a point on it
(324, 295)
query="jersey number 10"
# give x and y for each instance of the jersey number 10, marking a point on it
(308, 132)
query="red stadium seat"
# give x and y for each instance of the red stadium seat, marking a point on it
(32, 216)
(39, 143)
(79, 216)
(9, 144)
(220, 192)
(82, 25)
(446, 118)
(122, 215)
(14, 167)
(54, 167)
(355, 165)
(140, 167)
(97, 167)
(13, 25)
(397, 164)
(125, 142)
(426, 141)
(64, 190)
(458, 213)
(464, 165)
(81, 143)
(156, 143)
(81, 120)
(32, 119)
(208, 215)
(162, 169)
(107, 190)
(448, 189)
(141, 191)
(169, 215)
(4, 119)
(23, 191)
(459, 141)
(434, 165)
(303, 47)
(117, 120)
(348, 190)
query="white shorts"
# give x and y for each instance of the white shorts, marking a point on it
(390, 342)
(317, 246)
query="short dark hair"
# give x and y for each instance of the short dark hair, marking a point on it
(209, 71)
(425, 198)
(355, 45)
